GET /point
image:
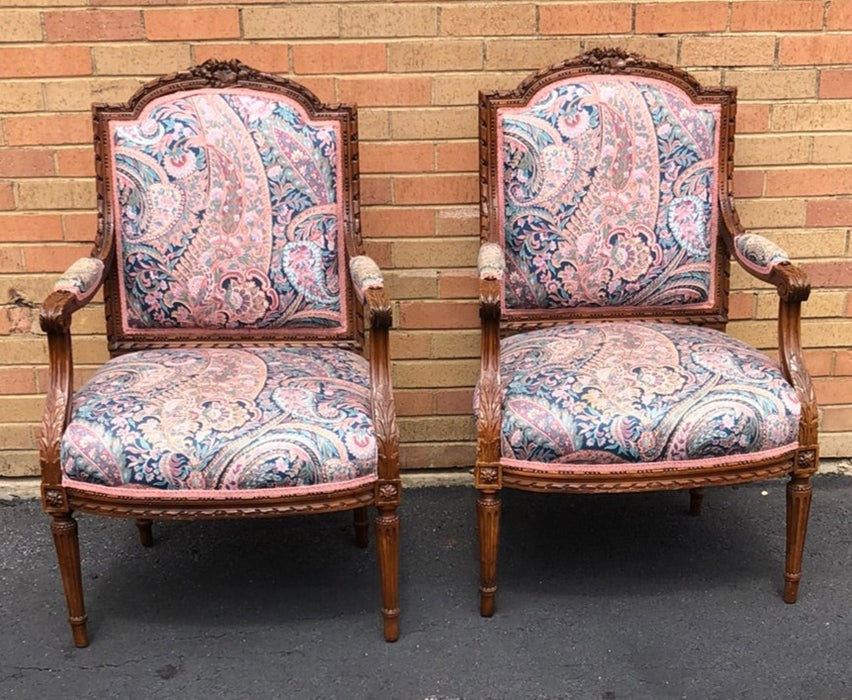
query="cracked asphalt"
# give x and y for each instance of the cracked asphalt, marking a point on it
(601, 597)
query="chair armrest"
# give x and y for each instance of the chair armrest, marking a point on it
(491, 264)
(73, 290)
(369, 287)
(757, 254)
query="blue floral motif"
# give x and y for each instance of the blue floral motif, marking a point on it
(608, 187)
(640, 392)
(227, 214)
(223, 419)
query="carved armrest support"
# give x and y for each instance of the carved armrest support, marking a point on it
(489, 395)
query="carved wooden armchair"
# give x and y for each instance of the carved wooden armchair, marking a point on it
(235, 286)
(607, 228)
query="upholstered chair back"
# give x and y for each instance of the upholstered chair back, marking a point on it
(606, 189)
(228, 216)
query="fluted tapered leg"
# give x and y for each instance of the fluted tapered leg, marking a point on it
(696, 498)
(488, 520)
(64, 529)
(799, 490)
(387, 545)
(362, 527)
(146, 535)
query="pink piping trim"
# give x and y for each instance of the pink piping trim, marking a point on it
(341, 330)
(639, 467)
(714, 215)
(155, 494)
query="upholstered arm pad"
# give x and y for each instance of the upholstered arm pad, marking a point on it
(82, 278)
(365, 275)
(758, 254)
(492, 262)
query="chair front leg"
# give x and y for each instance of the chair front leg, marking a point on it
(488, 507)
(64, 529)
(799, 491)
(387, 546)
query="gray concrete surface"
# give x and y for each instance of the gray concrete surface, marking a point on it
(601, 597)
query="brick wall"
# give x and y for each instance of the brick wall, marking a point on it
(414, 68)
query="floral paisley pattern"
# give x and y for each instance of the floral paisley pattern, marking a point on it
(759, 253)
(223, 419)
(228, 215)
(605, 393)
(607, 194)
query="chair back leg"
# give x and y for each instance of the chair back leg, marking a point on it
(146, 535)
(361, 521)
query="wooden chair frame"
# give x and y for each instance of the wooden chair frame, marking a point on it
(60, 498)
(790, 281)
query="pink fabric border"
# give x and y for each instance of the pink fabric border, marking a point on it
(714, 217)
(341, 330)
(157, 494)
(640, 467)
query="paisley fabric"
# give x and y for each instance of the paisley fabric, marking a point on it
(759, 253)
(627, 393)
(221, 419)
(365, 274)
(81, 277)
(228, 214)
(490, 264)
(608, 195)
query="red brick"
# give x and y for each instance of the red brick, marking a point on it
(438, 314)
(80, 226)
(741, 306)
(458, 156)
(268, 57)
(840, 15)
(391, 91)
(436, 189)
(375, 190)
(26, 162)
(681, 17)
(48, 129)
(25, 228)
(835, 84)
(836, 419)
(92, 25)
(748, 183)
(760, 15)
(808, 181)
(752, 118)
(201, 23)
(414, 402)
(843, 363)
(829, 212)
(340, 58)
(814, 49)
(75, 162)
(819, 362)
(833, 390)
(44, 61)
(454, 284)
(54, 258)
(7, 197)
(454, 402)
(17, 380)
(408, 157)
(837, 273)
(587, 18)
(397, 222)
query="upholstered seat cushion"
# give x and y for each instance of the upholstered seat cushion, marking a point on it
(223, 419)
(627, 393)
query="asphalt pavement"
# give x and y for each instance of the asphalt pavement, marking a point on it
(601, 597)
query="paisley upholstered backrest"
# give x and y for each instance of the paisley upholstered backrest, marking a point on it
(227, 206)
(606, 191)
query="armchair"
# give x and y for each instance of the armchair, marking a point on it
(607, 228)
(235, 289)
